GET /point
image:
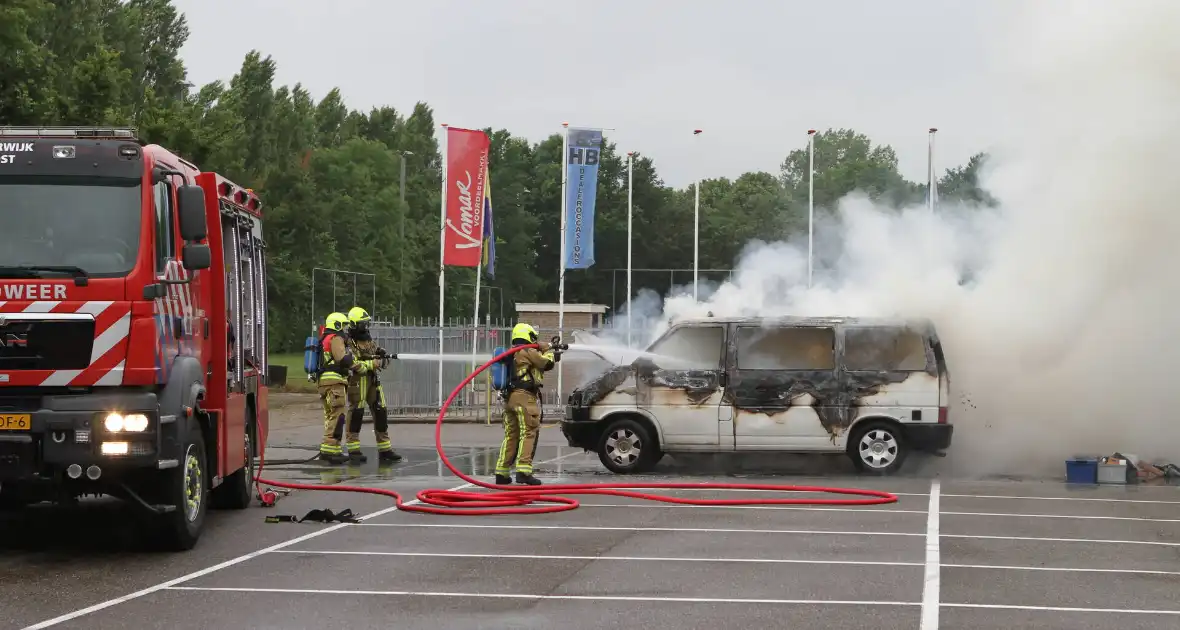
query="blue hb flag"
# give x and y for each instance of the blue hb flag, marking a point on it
(489, 235)
(581, 163)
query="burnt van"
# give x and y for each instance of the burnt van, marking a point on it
(875, 389)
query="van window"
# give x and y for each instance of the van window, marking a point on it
(690, 347)
(884, 349)
(786, 348)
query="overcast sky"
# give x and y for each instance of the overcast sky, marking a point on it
(753, 74)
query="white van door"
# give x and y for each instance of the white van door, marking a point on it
(783, 388)
(679, 384)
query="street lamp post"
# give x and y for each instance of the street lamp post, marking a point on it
(401, 269)
(696, 228)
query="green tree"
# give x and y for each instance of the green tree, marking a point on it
(330, 175)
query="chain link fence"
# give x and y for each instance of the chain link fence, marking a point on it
(411, 384)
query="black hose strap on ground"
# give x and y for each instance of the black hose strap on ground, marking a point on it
(322, 515)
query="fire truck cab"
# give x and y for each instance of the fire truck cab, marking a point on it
(132, 328)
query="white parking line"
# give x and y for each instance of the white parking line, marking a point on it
(1089, 541)
(930, 581)
(701, 530)
(1119, 611)
(1027, 498)
(502, 556)
(594, 598)
(1000, 567)
(659, 506)
(228, 563)
(657, 600)
(874, 510)
(511, 556)
(945, 495)
(805, 532)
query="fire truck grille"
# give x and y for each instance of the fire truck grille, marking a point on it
(46, 345)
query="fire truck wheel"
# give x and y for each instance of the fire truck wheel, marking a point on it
(187, 488)
(237, 491)
(14, 498)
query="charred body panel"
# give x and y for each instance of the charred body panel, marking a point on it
(834, 396)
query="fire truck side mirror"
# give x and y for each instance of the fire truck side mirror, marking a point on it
(196, 256)
(191, 201)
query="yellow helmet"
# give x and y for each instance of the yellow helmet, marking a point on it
(336, 322)
(357, 314)
(524, 332)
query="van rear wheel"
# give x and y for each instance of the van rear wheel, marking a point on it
(878, 448)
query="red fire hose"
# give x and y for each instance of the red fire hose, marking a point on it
(520, 499)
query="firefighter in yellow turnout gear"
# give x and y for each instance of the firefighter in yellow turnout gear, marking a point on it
(365, 389)
(522, 410)
(337, 364)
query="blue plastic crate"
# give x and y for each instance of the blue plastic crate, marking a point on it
(1081, 470)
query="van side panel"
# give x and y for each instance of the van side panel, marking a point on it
(914, 399)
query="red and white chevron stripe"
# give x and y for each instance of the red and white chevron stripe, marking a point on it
(179, 301)
(112, 323)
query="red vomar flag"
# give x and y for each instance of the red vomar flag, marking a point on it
(467, 160)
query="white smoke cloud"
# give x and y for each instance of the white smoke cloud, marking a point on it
(1068, 338)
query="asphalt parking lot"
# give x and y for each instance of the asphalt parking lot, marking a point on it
(950, 553)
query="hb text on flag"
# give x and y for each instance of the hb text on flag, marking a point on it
(581, 162)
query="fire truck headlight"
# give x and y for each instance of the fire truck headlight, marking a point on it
(134, 422)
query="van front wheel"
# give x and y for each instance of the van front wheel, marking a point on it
(878, 448)
(627, 446)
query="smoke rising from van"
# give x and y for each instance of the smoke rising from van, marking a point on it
(1057, 309)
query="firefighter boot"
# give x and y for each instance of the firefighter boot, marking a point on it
(503, 480)
(385, 452)
(527, 479)
(355, 418)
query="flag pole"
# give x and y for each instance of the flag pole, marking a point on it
(442, 251)
(696, 226)
(565, 150)
(475, 317)
(931, 181)
(810, 205)
(630, 191)
(487, 182)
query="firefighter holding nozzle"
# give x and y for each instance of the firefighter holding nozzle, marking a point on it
(365, 389)
(522, 410)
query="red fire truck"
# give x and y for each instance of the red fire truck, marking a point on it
(132, 328)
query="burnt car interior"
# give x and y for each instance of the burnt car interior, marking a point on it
(785, 348)
(884, 349)
(690, 348)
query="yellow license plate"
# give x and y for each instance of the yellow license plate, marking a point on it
(15, 422)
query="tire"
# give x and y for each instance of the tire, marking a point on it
(236, 492)
(878, 448)
(639, 452)
(15, 498)
(180, 529)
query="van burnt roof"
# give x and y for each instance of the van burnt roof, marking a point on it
(796, 320)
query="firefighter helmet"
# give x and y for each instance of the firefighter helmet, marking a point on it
(336, 322)
(524, 332)
(357, 315)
